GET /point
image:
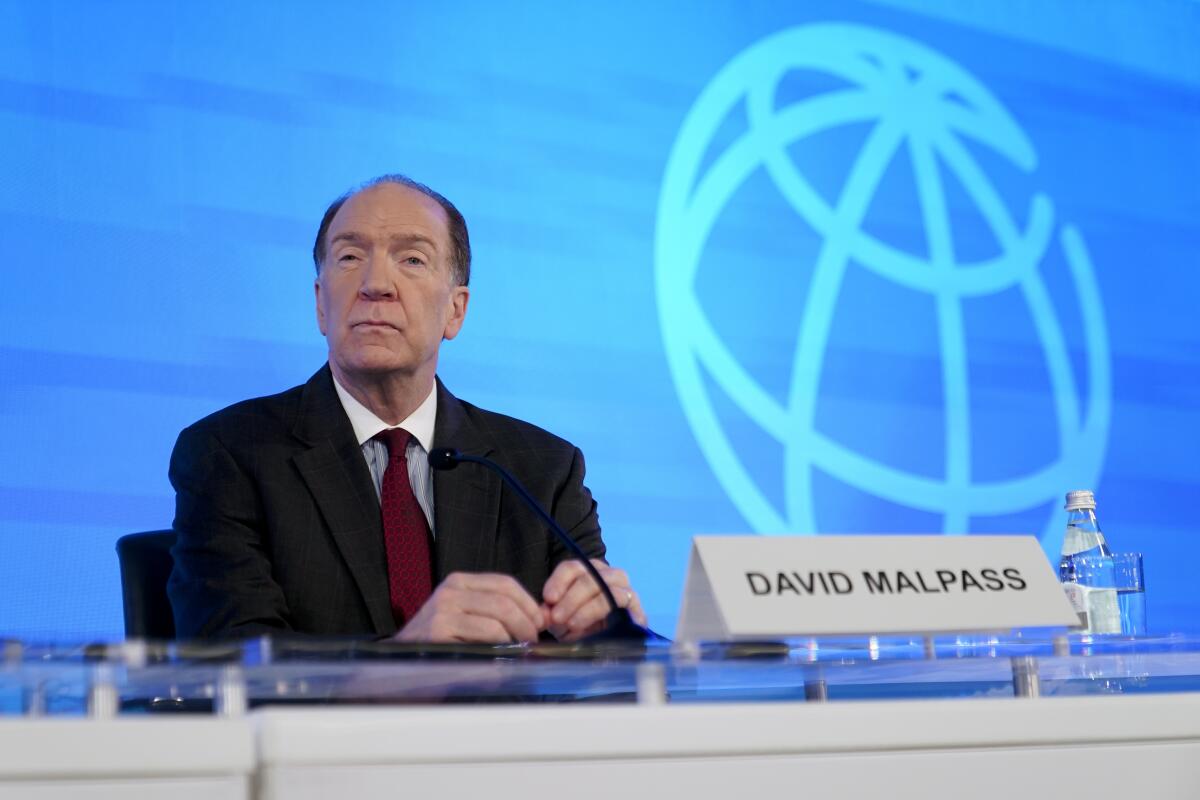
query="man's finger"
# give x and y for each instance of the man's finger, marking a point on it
(634, 605)
(517, 625)
(470, 628)
(584, 589)
(591, 618)
(495, 583)
(588, 615)
(562, 578)
(476, 607)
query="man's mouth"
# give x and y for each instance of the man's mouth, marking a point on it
(374, 323)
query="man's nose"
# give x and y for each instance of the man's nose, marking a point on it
(377, 281)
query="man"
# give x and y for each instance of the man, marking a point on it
(315, 510)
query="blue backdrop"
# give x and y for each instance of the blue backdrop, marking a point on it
(807, 267)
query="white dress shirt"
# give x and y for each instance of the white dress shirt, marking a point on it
(419, 423)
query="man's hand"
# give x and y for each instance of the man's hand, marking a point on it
(476, 607)
(574, 605)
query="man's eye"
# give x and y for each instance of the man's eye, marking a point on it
(416, 261)
(348, 257)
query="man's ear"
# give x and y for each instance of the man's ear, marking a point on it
(320, 309)
(459, 296)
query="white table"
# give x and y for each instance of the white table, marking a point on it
(129, 758)
(1095, 747)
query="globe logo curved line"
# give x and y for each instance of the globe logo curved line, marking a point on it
(918, 100)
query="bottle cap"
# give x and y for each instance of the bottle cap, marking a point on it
(1081, 500)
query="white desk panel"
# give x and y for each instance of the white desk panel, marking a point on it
(152, 756)
(1106, 747)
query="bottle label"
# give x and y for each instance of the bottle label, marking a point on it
(1098, 609)
(1104, 612)
(1077, 595)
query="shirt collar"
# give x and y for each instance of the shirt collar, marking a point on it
(366, 425)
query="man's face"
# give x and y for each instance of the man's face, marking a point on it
(385, 294)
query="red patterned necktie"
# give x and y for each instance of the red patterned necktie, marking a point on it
(405, 532)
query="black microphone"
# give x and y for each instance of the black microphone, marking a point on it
(619, 623)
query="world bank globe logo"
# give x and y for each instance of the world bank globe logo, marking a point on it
(912, 102)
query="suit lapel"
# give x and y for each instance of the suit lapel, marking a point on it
(466, 499)
(333, 467)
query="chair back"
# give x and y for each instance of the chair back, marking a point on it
(145, 567)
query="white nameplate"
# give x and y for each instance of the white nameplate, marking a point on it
(754, 587)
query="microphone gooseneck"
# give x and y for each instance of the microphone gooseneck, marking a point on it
(619, 623)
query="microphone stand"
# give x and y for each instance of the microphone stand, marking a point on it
(618, 624)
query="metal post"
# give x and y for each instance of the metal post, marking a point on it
(816, 691)
(1026, 682)
(651, 684)
(231, 693)
(816, 688)
(103, 701)
(33, 699)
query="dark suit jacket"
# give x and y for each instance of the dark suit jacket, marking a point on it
(279, 528)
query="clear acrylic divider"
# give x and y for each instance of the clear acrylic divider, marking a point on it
(106, 679)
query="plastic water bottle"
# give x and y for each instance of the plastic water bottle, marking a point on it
(1083, 566)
